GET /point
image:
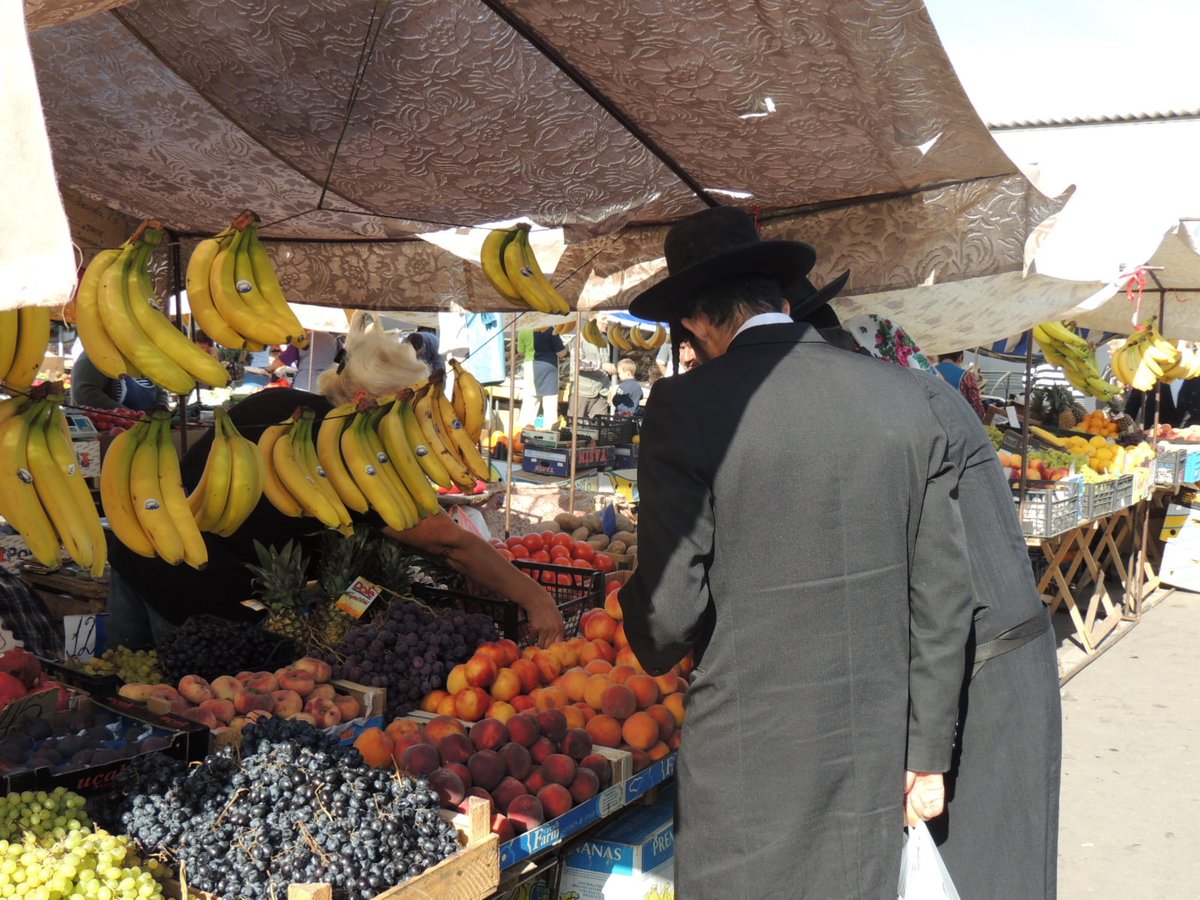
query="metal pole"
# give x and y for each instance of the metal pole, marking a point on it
(577, 341)
(1025, 419)
(512, 395)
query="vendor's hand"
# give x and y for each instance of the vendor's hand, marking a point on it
(924, 796)
(546, 621)
(609, 368)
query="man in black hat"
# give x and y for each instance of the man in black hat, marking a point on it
(799, 534)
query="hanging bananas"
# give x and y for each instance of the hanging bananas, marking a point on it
(509, 263)
(469, 401)
(1148, 358)
(231, 484)
(294, 479)
(1061, 346)
(24, 337)
(43, 494)
(592, 334)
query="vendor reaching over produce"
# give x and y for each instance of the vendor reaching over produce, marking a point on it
(828, 666)
(91, 387)
(148, 597)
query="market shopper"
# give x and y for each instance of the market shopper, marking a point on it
(595, 378)
(950, 367)
(148, 597)
(826, 599)
(543, 349)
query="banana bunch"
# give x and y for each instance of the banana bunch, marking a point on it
(24, 335)
(295, 479)
(142, 494)
(232, 482)
(234, 293)
(618, 337)
(647, 343)
(564, 328)
(1061, 346)
(122, 330)
(1148, 358)
(468, 402)
(43, 493)
(510, 265)
(592, 334)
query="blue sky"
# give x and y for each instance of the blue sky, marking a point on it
(1033, 59)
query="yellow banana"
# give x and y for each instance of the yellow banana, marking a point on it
(217, 479)
(174, 500)
(390, 429)
(54, 494)
(246, 482)
(200, 299)
(267, 282)
(363, 468)
(273, 486)
(462, 444)
(33, 337)
(300, 483)
(429, 461)
(660, 335)
(1064, 335)
(9, 328)
(146, 492)
(635, 337)
(329, 452)
(306, 456)
(522, 277)
(252, 324)
(19, 503)
(62, 450)
(470, 402)
(592, 334)
(386, 467)
(491, 259)
(428, 418)
(101, 350)
(532, 272)
(13, 406)
(1118, 366)
(616, 336)
(115, 494)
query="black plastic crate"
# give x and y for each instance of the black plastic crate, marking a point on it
(96, 685)
(610, 429)
(580, 590)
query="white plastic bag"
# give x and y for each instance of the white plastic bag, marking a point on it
(923, 875)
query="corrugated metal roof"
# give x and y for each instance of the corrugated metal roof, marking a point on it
(1077, 121)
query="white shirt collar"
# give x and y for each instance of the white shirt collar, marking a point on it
(767, 318)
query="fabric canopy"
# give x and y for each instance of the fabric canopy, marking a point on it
(354, 129)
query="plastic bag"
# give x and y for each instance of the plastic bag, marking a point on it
(923, 875)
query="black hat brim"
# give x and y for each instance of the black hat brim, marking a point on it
(785, 261)
(803, 307)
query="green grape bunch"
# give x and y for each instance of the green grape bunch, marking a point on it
(131, 666)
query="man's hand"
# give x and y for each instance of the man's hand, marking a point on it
(924, 796)
(546, 621)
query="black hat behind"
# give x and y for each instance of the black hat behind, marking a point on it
(714, 245)
(811, 304)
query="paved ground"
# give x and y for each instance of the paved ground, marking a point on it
(1131, 764)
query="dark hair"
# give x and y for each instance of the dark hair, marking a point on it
(953, 357)
(737, 298)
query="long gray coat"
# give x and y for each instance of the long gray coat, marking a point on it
(798, 528)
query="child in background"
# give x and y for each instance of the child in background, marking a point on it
(628, 395)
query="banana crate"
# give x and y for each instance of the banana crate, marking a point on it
(1050, 507)
(1170, 466)
(1101, 498)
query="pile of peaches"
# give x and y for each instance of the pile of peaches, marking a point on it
(229, 702)
(594, 679)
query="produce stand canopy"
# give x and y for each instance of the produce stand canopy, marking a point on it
(355, 128)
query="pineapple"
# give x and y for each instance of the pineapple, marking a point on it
(1080, 411)
(280, 580)
(1059, 408)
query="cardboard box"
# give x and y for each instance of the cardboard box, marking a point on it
(630, 859)
(544, 461)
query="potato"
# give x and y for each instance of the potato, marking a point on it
(599, 541)
(616, 546)
(624, 523)
(631, 550)
(625, 537)
(593, 523)
(567, 521)
(539, 527)
(580, 534)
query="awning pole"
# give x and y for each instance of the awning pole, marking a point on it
(512, 440)
(575, 342)
(1140, 551)
(1025, 419)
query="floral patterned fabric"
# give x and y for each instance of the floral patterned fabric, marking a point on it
(886, 340)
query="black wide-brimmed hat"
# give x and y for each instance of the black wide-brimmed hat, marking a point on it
(811, 303)
(715, 245)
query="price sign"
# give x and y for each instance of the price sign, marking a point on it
(84, 636)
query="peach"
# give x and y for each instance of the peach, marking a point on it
(525, 813)
(604, 731)
(542, 748)
(598, 667)
(348, 706)
(621, 673)
(457, 679)
(244, 676)
(223, 709)
(597, 649)
(644, 689)
(446, 707)
(587, 711)
(506, 792)
(461, 770)
(686, 665)
(682, 685)
(431, 700)
(500, 711)
(576, 642)
(324, 711)
(375, 747)
(558, 768)
(548, 665)
(237, 723)
(612, 606)
(165, 691)
(402, 743)
(489, 734)
(665, 719)
(574, 716)
(259, 715)
(480, 671)
(296, 680)
(511, 651)
(201, 715)
(194, 689)
(481, 793)
(593, 691)
(226, 687)
(419, 760)
(640, 731)
(567, 655)
(620, 641)
(658, 751)
(528, 673)
(530, 652)
(487, 769)
(517, 760)
(556, 800)
(524, 729)
(322, 692)
(577, 743)
(263, 682)
(502, 828)
(600, 626)
(626, 657)
(536, 781)
(248, 701)
(676, 740)
(287, 703)
(674, 703)
(585, 786)
(449, 787)
(494, 652)
(320, 670)
(506, 685)
(472, 703)
(599, 766)
(522, 703)
(641, 759)
(572, 681)
(550, 697)
(553, 724)
(438, 728)
(455, 748)
(668, 683)
(618, 701)
(399, 727)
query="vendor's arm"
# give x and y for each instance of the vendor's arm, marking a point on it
(665, 601)
(90, 386)
(469, 554)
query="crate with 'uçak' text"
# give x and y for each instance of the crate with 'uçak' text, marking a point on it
(545, 461)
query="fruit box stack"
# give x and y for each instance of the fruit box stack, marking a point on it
(557, 462)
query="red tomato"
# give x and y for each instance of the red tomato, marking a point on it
(496, 543)
(518, 551)
(604, 563)
(547, 538)
(558, 551)
(533, 542)
(582, 564)
(565, 579)
(583, 550)
(562, 540)
(540, 556)
(505, 552)
(512, 542)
